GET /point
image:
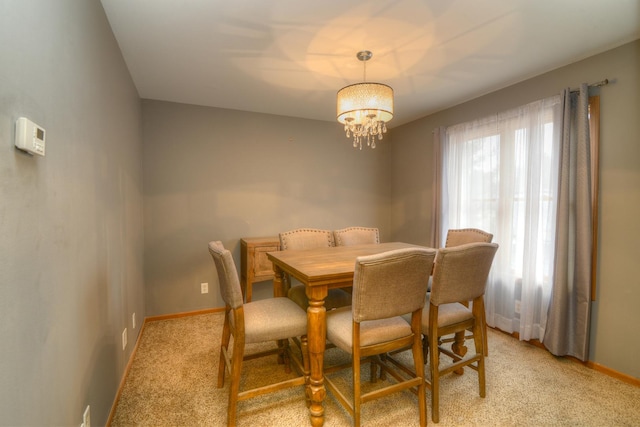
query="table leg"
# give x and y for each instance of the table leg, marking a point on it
(243, 287)
(278, 282)
(460, 349)
(317, 335)
(458, 346)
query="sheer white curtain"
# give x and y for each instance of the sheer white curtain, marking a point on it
(500, 174)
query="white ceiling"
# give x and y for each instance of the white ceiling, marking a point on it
(290, 57)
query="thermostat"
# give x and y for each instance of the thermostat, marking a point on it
(29, 136)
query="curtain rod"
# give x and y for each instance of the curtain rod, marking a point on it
(597, 84)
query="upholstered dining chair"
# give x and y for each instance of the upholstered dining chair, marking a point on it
(385, 287)
(356, 236)
(462, 236)
(460, 274)
(257, 321)
(310, 238)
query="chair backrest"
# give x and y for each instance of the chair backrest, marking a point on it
(391, 283)
(356, 236)
(305, 238)
(461, 272)
(227, 275)
(463, 236)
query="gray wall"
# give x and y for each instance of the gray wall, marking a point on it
(615, 340)
(215, 174)
(71, 271)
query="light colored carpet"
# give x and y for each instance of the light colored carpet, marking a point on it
(172, 382)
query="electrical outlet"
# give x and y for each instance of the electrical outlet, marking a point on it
(517, 308)
(133, 321)
(124, 338)
(204, 288)
(86, 417)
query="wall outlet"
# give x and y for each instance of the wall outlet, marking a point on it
(86, 417)
(204, 288)
(133, 321)
(124, 338)
(517, 308)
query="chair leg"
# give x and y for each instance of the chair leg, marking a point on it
(304, 349)
(284, 351)
(435, 377)
(224, 346)
(435, 363)
(478, 338)
(280, 358)
(484, 334)
(356, 374)
(236, 371)
(383, 360)
(419, 369)
(425, 349)
(373, 371)
(356, 391)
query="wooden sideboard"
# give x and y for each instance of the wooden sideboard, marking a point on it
(255, 266)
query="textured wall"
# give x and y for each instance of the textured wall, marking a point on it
(71, 270)
(215, 174)
(614, 338)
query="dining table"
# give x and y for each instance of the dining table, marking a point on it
(319, 270)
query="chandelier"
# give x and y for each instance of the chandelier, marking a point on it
(365, 108)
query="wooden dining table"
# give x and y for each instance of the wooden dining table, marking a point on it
(320, 270)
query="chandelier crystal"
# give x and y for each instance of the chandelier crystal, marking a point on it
(365, 108)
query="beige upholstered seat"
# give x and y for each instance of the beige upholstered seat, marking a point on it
(385, 286)
(310, 238)
(257, 321)
(462, 236)
(356, 236)
(460, 274)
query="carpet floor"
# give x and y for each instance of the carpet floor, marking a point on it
(172, 382)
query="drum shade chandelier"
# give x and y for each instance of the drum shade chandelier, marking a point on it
(365, 108)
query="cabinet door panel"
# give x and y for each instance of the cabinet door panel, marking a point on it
(262, 265)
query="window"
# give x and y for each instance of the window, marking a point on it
(500, 175)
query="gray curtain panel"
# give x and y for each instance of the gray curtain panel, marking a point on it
(567, 330)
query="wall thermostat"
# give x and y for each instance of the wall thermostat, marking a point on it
(29, 136)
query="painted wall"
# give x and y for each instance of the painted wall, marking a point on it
(71, 271)
(216, 174)
(77, 227)
(615, 339)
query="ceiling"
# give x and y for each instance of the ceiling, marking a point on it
(290, 57)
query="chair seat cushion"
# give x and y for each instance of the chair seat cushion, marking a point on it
(335, 298)
(448, 314)
(261, 325)
(340, 332)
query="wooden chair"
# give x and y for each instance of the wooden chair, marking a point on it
(462, 236)
(310, 238)
(356, 236)
(460, 274)
(257, 321)
(385, 286)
